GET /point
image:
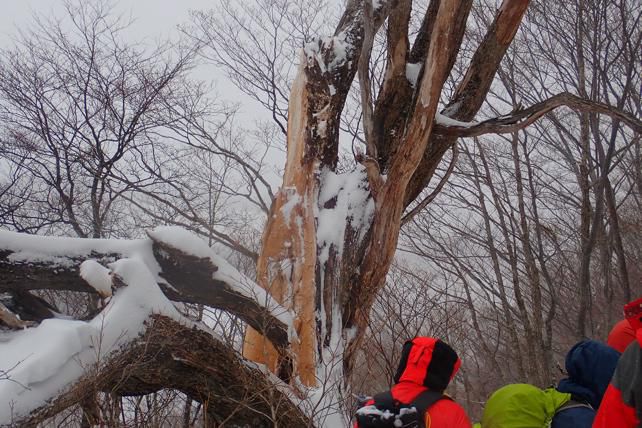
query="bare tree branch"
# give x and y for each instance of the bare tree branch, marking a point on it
(520, 119)
(431, 197)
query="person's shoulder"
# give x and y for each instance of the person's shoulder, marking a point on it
(628, 366)
(447, 413)
(572, 417)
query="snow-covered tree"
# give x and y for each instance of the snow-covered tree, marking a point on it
(327, 245)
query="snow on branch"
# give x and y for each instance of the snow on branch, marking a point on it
(520, 119)
(334, 52)
(139, 342)
(173, 355)
(182, 265)
(48, 358)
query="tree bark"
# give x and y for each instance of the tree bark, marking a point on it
(170, 355)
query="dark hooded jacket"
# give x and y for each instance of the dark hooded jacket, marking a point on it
(590, 365)
(428, 363)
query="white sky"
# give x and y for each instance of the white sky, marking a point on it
(153, 20)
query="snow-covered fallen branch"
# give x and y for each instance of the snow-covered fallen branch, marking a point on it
(56, 353)
(173, 355)
(138, 342)
(184, 267)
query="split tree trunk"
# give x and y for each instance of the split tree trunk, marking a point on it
(343, 288)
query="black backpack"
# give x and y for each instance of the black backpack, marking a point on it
(386, 412)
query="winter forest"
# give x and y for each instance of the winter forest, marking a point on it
(173, 256)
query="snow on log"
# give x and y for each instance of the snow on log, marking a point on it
(173, 355)
(201, 276)
(139, 342)
(186, 270)
(97, 276)
(41, 362)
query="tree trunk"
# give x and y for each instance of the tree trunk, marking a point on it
(332, 286)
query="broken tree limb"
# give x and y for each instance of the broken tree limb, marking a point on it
(194, 280)
(137, 344)
(28, 262)
(287, 265)
(172, 356)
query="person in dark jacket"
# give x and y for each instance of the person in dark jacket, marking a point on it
(428, 364)
(590, 365)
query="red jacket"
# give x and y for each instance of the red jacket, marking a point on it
(621, 406)
(445, 413)
(429, 363)
(621, 335)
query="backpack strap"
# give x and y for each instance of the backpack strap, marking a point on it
(423, 402)
(573, 404)
(426, 399)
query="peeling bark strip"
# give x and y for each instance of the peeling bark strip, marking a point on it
(170, 355)
(287, 259)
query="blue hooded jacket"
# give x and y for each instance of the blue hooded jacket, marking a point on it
(590, 365)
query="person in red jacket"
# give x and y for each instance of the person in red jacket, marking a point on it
(621, 335)
(428, 364)
(622, 403)
(621, 406)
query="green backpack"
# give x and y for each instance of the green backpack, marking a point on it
(522, 405)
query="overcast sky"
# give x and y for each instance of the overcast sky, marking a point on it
(153, 20)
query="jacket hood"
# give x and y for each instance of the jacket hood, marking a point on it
(621, 335)
(521, 405)
(428, 362)
(590, 365)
